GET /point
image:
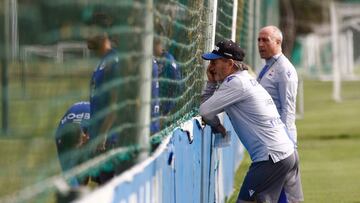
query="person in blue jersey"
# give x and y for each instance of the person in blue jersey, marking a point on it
(155, 102)
(71, 134)
(280, 80)
(104, 91)
(253, 114)
(168, 69)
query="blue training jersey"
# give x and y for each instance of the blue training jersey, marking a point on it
(168, 69)
(78, 113)
(102, 84)
(155, 103)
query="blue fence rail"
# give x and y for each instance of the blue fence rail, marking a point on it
(186, 167)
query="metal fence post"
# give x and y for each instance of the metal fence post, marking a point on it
(145, 84)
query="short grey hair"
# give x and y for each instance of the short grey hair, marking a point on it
(276, 32)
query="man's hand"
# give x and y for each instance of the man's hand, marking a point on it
(101, 147)
(217, 129)
(84, 138)
(221, 129)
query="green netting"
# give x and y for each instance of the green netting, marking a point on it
(252, 15)
(242, 27)
(53, 68)
(224, 20)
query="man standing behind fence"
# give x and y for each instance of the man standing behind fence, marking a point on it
(103, 95)
(155, 102)
(104, 91)
(168, 69)
(255, 120)
(280, 80)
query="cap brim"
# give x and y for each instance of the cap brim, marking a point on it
(211, 56)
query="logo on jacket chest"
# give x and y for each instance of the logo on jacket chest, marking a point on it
(271, 73)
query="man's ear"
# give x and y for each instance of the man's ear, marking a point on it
(231, 62)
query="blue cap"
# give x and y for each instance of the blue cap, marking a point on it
(226, 49)
(211, 56)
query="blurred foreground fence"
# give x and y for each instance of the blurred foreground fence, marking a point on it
(185, 168)
(47, 67)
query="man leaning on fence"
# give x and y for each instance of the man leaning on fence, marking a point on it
(253, 115)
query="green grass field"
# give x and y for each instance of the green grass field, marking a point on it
(46, 92)
(28, 152)
(329, 140)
